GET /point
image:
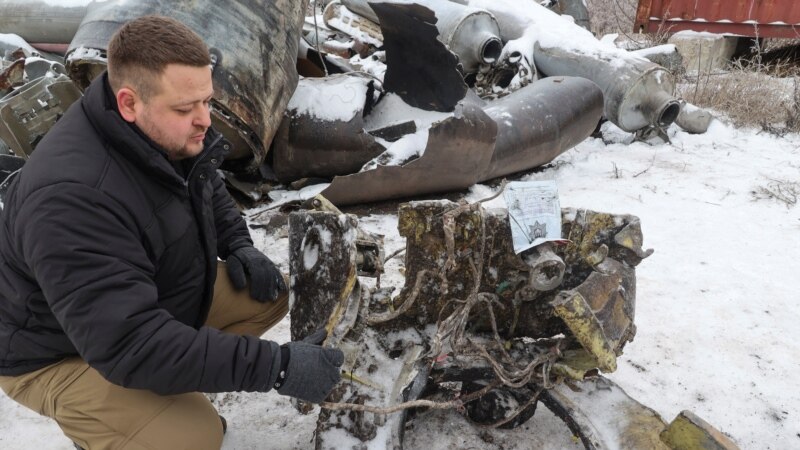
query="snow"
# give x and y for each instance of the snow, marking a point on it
(405, 149)
(334, 98)
(657, 50)
(717, 308)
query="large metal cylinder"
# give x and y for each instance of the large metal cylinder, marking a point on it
(638, 93)
(42, 21)
(540, 121)
(470, 33)
(254, 49)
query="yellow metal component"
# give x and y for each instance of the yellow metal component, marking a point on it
(579, 317)
(341, 305)
(574, 364)
(690, 432)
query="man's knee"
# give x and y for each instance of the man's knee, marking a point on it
(190, 422)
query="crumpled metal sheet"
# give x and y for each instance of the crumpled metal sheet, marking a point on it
(458, 150)
(253, 45)
(523, 130)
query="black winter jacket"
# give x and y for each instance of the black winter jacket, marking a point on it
(109, 254)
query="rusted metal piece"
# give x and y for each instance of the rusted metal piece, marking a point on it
(453, 251)
(689, 432)
(254, 50)
(12, 75)
(540, 121)
(458, 150)
(529, 311)
(310, 142)
(323, 273)
(40, 21)
(325, 250)
(603, 416)
(28, 113)
(755, 18)
(410, 40)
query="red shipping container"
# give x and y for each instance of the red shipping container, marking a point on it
(754, 18)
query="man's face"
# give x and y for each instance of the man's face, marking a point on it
(177, 116)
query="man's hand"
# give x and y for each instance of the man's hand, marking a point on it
(266, 281)
(312, 371)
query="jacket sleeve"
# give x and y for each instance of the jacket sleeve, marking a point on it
(86, 253)
(232, 232)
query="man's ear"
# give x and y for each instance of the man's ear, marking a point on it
(126, 102)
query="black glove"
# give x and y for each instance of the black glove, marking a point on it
(312, 371)
(266, 280)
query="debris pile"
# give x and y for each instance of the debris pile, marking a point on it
(387, 88)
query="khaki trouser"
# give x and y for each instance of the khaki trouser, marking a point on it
(96, 414)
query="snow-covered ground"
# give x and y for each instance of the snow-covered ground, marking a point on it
(718, 303)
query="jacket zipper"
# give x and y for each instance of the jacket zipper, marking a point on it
(202, 157)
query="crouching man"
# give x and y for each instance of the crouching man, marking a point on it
(115, 313)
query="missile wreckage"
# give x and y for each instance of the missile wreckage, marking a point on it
(476, 326)
(390, 100)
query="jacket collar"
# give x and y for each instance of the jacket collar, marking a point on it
(100, 106)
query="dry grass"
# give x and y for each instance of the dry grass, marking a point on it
(749, 95)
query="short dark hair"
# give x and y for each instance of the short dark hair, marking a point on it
(140, 51)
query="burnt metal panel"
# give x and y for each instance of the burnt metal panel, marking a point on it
(755, 18)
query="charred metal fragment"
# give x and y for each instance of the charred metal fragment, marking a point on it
(323, 274)
(322, 132)
(409, 32)
(254, 50)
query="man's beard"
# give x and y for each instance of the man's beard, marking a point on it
(175, 150)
